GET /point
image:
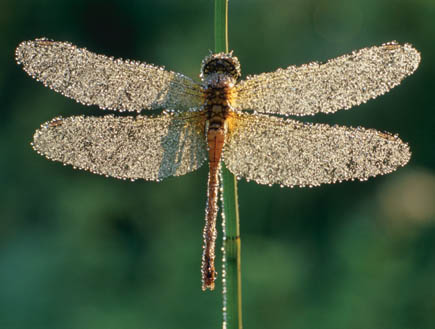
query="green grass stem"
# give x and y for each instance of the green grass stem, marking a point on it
(232, 285)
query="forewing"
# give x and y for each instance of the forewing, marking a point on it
(340, 83)
(109, 83)
(150, 148)
(273, 150)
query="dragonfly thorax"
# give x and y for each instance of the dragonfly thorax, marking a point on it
(219, 74)
(218, 95)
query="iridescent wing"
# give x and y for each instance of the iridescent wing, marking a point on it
(270, 150)
(340, 83)
(109, 83)
(150, 148)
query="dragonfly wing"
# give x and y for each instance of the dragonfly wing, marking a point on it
(150, 148)
(272, 150)
(340, 83)
(109, 83)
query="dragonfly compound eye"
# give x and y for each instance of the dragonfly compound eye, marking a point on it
(223, 63)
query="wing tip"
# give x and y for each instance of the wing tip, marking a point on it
(412, 55)
(24, 46)
(415, 54)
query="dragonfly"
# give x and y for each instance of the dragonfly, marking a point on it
(243, 123)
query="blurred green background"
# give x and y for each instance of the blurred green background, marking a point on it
(82, 251)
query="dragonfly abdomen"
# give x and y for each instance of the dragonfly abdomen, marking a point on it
(215, 142)
(217, 111)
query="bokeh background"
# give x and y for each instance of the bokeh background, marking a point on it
(82, 251)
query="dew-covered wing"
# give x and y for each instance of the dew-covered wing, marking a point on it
(150, 148)
(270, 150)
(340, 83)
(109, 83)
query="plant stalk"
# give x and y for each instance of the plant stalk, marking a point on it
(231, 272)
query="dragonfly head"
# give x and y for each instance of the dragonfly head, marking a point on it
(221, 63)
